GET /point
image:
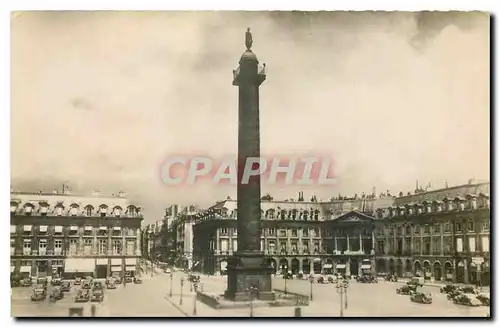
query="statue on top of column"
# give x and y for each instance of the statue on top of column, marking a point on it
(248, 39)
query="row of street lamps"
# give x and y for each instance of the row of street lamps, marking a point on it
(194, 283)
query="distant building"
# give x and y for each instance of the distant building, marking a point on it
(70, 235)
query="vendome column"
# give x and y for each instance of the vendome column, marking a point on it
(248, 267)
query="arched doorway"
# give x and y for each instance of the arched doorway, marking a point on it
(437, 270)
(448, 271)
(460, 272)
(317, 265)
(354, 267)
(272, 264)
(427, 270)
(306, 267)
(283, 266)
(380, 266)
(473, 278)
(408, 268)
(328, 267)
(392, 267)
(295, 266)
(399, 268)
(417, 269)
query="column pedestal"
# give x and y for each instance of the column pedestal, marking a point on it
(245, 270)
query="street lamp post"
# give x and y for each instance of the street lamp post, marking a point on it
(285, 276)
(182, 284)
(171, 281)
(342, 290)
(195, 285)
(311, 281)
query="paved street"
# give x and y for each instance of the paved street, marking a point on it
(142, 300)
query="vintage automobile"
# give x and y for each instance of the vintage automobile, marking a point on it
(417, 281)
(26, 282)
(366, 279)
(321, 280)
(484, 298)
(391, 278)
(137, 280)
(83, 295)
(192, 278)
(86, 285)
(454, 294)
(39, 294)
(407, 289)
(467, 299)
(111, 285)
(449, 288)
(118, 279)
(97, 295)
(56, 294)
(56, 281)
(78, 281)
(128, 279)
(331, 279)
(65, 286)
(421, 298)
(97, 285)
(469, 289)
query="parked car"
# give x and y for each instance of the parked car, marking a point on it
(83, 295)
(469, 289)
(467, 299)
(407, 289)
(449, 288)
(56, 294)
(39, 294)
(417, 281)
(128, 279)
(78, 281)
(192, 278)
(111, 285)
(86, 285)
(391, 278)
(118, 280)
(137, 280)
(454, 294)
(26, 282)
(97, 285)
(421, 298)
(65, 286)
(331, 279)
(484, 298)
(97, 295)
(56, 281)
(366, 279)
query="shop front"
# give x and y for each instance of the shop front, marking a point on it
(101, 270)
(25, 271)
(130, 267)
(116, 268)
(79, 267)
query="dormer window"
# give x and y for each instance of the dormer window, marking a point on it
(484, 201)
(294, 214)
(449, 204)
(401, 211)
(103, 210)
(428, 207)
(73, 210)
(460, 204)
(471, 202)
(59, 209)
(438, 206)
(117, 211)
(13, 206)
(316, 215)
(270, 214)
(89, 211)
(409, 210)
(418, 209)
(283, 214)
(131, 211)
(305, 214)
(44, 208)
(28, 209)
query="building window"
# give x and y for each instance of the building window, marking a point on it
(470, 226)
(283, 214)
(272, 247)
(73, 247)
(223, 231)
(130, 247)
(447, 227)
(305, 232)
(399, 230)
(305, 215)
(131, 232)
(73, 231)
(295, 248)
(282, 233)
(437, 228)
(316, 248)
(485, 226)
(270, 214)
(117, 247)
(103, 247)
(25, 263)
(12, 246)
(271, 232)
(58, 247)
(417, 230)
(315, 232)
(458, 227)
(380, 247)
(294, 214)
(427, 229)
(27, 247)
(42, 247)
(235, 231)
(295, 232)
(87, 247)
(316, 215)
(283, 248)
(436, 245)
(305, 247)
(408, 230)
(418, 245)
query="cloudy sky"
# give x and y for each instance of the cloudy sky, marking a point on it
(100, 99)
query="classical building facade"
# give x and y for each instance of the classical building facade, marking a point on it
(441, 235)
(297, 236)
(72, 235)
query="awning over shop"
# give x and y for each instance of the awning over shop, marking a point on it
(131, 261)
(328, 265)
(27, 228)
(25, 269)
(58, 229)
(79, 265)
(340, 266)
(117, 228)
(130, 268)
(73, 228)
(116, 262)
(88, 228)
(116, 268)
(102, 261)
(43, 228)
(12, 229)
(103, 228)
(317, 260)
(366, 266)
